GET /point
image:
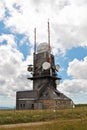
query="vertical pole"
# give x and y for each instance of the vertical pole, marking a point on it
(34, 54)
(48, 36)
(49, 48)
(34, 57)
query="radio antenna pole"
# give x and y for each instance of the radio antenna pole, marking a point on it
(49, 48)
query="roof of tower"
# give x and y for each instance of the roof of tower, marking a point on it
(42, 47)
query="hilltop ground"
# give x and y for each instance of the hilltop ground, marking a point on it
(68, 119)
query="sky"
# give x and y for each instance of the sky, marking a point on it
(68, 26)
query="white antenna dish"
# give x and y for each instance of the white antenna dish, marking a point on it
(57, 67)
(57, 82)
(46, 65)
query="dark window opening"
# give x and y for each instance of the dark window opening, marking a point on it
(32, 106)
(23, 105)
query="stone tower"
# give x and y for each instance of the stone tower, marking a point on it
(44, 70)
(45, 80)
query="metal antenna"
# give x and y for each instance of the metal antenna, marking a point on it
(34, 40)
(34, 51)
(49, 48)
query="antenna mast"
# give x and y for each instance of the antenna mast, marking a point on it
(34, 51)
(49, 48)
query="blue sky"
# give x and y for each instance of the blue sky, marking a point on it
(68, 25)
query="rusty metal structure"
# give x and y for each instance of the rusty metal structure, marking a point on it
(45, 81)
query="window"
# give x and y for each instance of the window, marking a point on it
(32, 106)
(23, 105)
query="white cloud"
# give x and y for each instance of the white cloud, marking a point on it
(2, 10)
(74, 86)
(8, 39)
(13, 70)
(78, 2)
(75, 89)
(68, 21)
(78, 69)
(78, 85)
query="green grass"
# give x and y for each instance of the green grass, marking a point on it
(55, 125)
(68, 119)
(12, 117)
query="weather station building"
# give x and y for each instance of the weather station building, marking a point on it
(45, 81)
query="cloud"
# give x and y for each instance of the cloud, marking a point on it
(8, 39)
(2, 10)
(78, 85)
(74, 86)
(13, 70)
(78, 69)
(76, 89)
(68, 21)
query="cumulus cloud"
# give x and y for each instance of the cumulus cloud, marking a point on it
(78, 69)
(76, 89)
(68, 21)
(78, 85)
(74, 86)
(2, 10)
(13, 70)
(8, 39)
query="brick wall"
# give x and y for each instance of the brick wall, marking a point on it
(56, 104)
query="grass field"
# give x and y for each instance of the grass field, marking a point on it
(68, 119)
